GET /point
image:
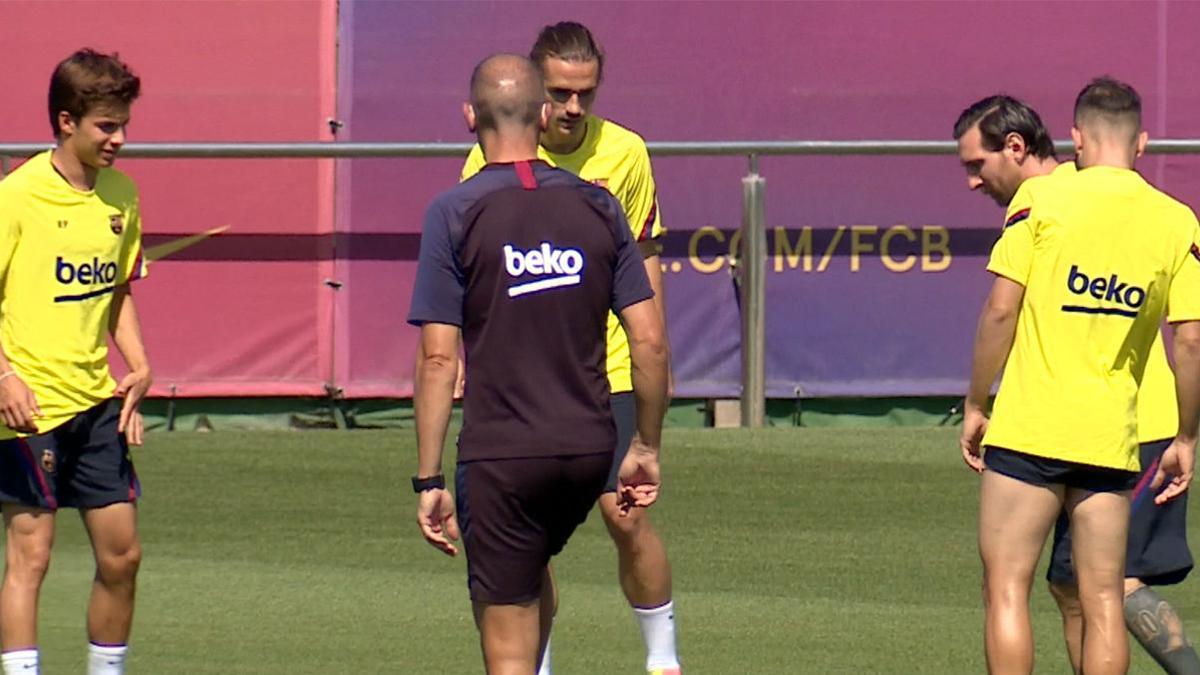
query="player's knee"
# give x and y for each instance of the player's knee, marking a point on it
(1003, 590)
(120, 565)
(28, 563)
(1067, 597)
(625, 529)
(1063, 593)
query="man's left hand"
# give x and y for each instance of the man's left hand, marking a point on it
(435, 517)
(132, 390)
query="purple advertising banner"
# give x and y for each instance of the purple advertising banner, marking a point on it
(875, 271)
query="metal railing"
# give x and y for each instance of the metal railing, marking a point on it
(751, 263)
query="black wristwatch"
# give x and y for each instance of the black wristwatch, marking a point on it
(420, 485)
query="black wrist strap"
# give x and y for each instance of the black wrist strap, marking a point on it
(420, 485)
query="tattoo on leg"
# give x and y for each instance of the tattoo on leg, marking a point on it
(1159, 630)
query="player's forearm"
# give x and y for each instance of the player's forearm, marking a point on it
(1187, 377)
(649, 357)
(993, 341)
(432, 403)
(653, 265)
(127, 332)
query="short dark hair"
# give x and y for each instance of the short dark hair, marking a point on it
(1111, 99)
(569, 41)
(87, 79)
(1000, 115)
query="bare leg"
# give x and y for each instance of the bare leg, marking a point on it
(1158, 628)
(1099, 533)
(1067, 597)
(508, 635)
(1014, 521)
(29, 533)
(118, 553)
(642, 564)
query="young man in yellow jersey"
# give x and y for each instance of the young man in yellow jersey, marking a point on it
(70, 244)
(1002, 142)
(1084, 278)
(604, 153)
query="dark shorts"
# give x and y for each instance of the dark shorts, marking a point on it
(83, 463)
(1158, 550)
(517, 513)
(1045, 471)
(624, 412)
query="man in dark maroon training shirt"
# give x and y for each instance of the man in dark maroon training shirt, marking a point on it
(524, 261)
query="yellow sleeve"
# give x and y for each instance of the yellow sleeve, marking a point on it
(10, 232)
(133, 262)
(1183, 300)
(475, 162)
(1012, 256)
(1021, 202)
(639, 197)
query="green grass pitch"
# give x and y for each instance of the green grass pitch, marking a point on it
(794, 551)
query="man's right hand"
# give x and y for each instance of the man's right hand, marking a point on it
(18, 407)
(1175, 469)
(975, 424)
(638, 478)
(435, 517)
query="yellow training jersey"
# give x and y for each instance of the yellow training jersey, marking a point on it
(1157, 409)
(1103, 256)
(62, 252)
(615, 158)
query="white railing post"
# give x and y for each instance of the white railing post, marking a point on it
(752, 267)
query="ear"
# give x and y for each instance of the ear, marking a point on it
(544, 117)
(66, 124)
(1142, 139)
(1014, 143)
(1077, 139)
(469, 115)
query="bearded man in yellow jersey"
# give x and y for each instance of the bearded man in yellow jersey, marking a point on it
(609, 155)
(1001, 143)
(70, 244)
(1084, 280)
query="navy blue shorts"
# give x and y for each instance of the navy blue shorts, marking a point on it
(81, 464)
(624, 412)
(1045, 471)
(1158, 549)
(517, 513)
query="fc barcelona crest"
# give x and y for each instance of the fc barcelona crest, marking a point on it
(117, 223)
(48, 460)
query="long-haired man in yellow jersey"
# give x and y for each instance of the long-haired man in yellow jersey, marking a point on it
(70, 244)
(1001, 143)
(1084, 278)
(609, 155)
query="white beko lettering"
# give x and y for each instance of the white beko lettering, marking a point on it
(565, 264)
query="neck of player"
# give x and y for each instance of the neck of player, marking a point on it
(506, 148)
(79, 175)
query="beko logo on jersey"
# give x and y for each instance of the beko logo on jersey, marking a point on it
(557, 267)
(1106, 289)
(92, 272)
(87, 273)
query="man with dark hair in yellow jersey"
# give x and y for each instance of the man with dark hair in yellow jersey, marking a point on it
(604, 153)
(1084, 279)
(70, 244)
(1001, 143)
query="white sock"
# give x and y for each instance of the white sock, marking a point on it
(106, 659)
(20, 662)
(544, 669)
(658, 630)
